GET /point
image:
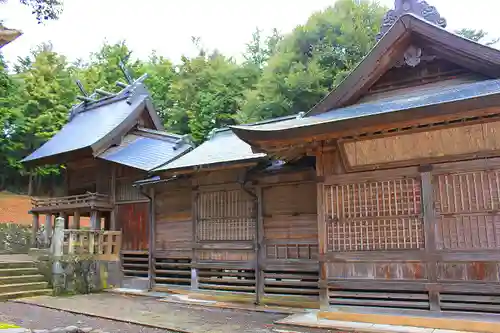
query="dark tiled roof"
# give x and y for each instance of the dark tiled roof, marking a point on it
(87, 128)
(405, 102)
(147, 149)
(222, 147)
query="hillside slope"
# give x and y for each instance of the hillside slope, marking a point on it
(14, 208)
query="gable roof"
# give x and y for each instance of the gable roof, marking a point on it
(336, 111)
(462, 51)
(416, 104)
(222, 147)
(147, 149)
(92, 126)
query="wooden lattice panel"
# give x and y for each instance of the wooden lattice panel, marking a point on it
(467, 205)
(226, 215)
(370, 216)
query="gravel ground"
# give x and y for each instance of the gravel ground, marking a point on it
(202, 319)
(34, 317)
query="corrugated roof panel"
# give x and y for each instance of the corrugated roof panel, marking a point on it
(223, 147)
(397, 103)
(86, 128)
(144, 153)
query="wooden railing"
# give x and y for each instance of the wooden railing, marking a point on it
(102, 245)
(87, 199)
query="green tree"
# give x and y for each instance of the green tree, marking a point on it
(476, 35)
(43, 9)
(313, 59)
(46, 93)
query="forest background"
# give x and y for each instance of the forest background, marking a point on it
(281, 74)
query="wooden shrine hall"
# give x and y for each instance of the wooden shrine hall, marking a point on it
(385, 195)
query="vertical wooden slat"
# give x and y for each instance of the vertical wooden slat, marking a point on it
(194, 261)
(430, 231)
(261, 250)
(322, 249)
(34, 229)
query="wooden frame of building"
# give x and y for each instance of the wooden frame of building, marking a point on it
(407, 163)
(389, 196)
(109, 142)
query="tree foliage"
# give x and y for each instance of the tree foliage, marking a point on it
(279, 75)
(43, 10)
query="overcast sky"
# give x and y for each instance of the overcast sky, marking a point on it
(167, 25)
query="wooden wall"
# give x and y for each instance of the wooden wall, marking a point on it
(207, 233)
(411, 238)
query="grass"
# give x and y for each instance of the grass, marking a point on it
(4, 326)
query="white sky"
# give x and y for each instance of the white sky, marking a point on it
(167, 25)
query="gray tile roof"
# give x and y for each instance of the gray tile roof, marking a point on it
(223, 146)
(406, 102)
(87, 128)
(147, 149)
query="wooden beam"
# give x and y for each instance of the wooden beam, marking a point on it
(260, 254)
(48, 229)
(322, 247)
(194, 261)
(152, 240)
(430, 236)
(34, 229)
(76, 220)
(113, 197)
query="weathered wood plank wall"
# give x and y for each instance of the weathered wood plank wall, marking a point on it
(412, 238)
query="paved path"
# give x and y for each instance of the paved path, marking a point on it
(35, 317)
(146, 310)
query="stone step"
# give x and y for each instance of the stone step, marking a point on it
(24, 294)
(21, 279)
(18, 271)
(16, 264)
(26, 286)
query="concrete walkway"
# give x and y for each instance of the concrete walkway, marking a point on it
(150, 312)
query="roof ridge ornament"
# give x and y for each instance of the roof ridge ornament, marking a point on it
(417, 7)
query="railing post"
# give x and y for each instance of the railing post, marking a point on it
(47, 233)
(57, 253)
(34, 229)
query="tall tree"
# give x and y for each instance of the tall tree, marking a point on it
(476, 35)
(43, 9)
(313, 59)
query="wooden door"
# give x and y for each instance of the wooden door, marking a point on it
(133, 220)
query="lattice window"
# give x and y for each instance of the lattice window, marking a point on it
(225, 215)
(374, 215)
(467, 205)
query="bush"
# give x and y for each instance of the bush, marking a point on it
(14, 238)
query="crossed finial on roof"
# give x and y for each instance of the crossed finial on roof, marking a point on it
(130, 89)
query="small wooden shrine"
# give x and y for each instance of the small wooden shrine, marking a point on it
(407, 154)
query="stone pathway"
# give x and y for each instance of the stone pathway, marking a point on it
(38, 318)
(176, 317)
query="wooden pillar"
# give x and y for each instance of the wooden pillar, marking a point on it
(260, 253)
(76, 220)
(152, 240)
(95, 222)
(194, 259)
(47, 235)
(34, 229)
(107, 221)
(430, 235)
(322, 247)
(113, 225)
